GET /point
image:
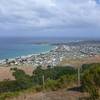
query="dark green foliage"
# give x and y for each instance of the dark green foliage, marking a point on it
(52, 73)
(37, 75)
(20, 75)
(60, 71)
(91, 81)
(52, 85)
(88, 66)
(54, 78)
(12, 86)
(67, 79)
(23, 81)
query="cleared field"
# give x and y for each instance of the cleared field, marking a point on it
(79, 62)
(6, 73)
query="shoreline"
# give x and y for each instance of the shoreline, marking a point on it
(23, 49)
(4, 61)
(55, 55)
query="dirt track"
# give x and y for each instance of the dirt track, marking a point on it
(56, 95)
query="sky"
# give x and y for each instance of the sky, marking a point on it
(52, 18)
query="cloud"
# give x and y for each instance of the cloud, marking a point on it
(48, 14)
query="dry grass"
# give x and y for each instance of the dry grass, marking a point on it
(6, 73)
(79, 62)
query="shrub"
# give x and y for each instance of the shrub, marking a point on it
(51, 73)
(12, 86)
(67, 80)
(8, 95)
(38, 88)
(52, 85)
(91, 81)
(54, 78)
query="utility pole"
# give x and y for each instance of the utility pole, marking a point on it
(43, 82)
(78, 76)
(44, 97)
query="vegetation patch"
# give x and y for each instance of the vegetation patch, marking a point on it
(48, 79)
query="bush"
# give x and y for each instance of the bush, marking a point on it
(12, 86)
(38, 88)
(91, 81)
(67, 80)
(52, 85)
(54, 78)
(20, 75)
(8, 95)
(51, 73)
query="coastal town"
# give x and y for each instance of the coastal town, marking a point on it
(53, 57)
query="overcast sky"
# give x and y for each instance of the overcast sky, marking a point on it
(71, 18)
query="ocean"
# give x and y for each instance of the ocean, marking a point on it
(15, 47)
(11, 47)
